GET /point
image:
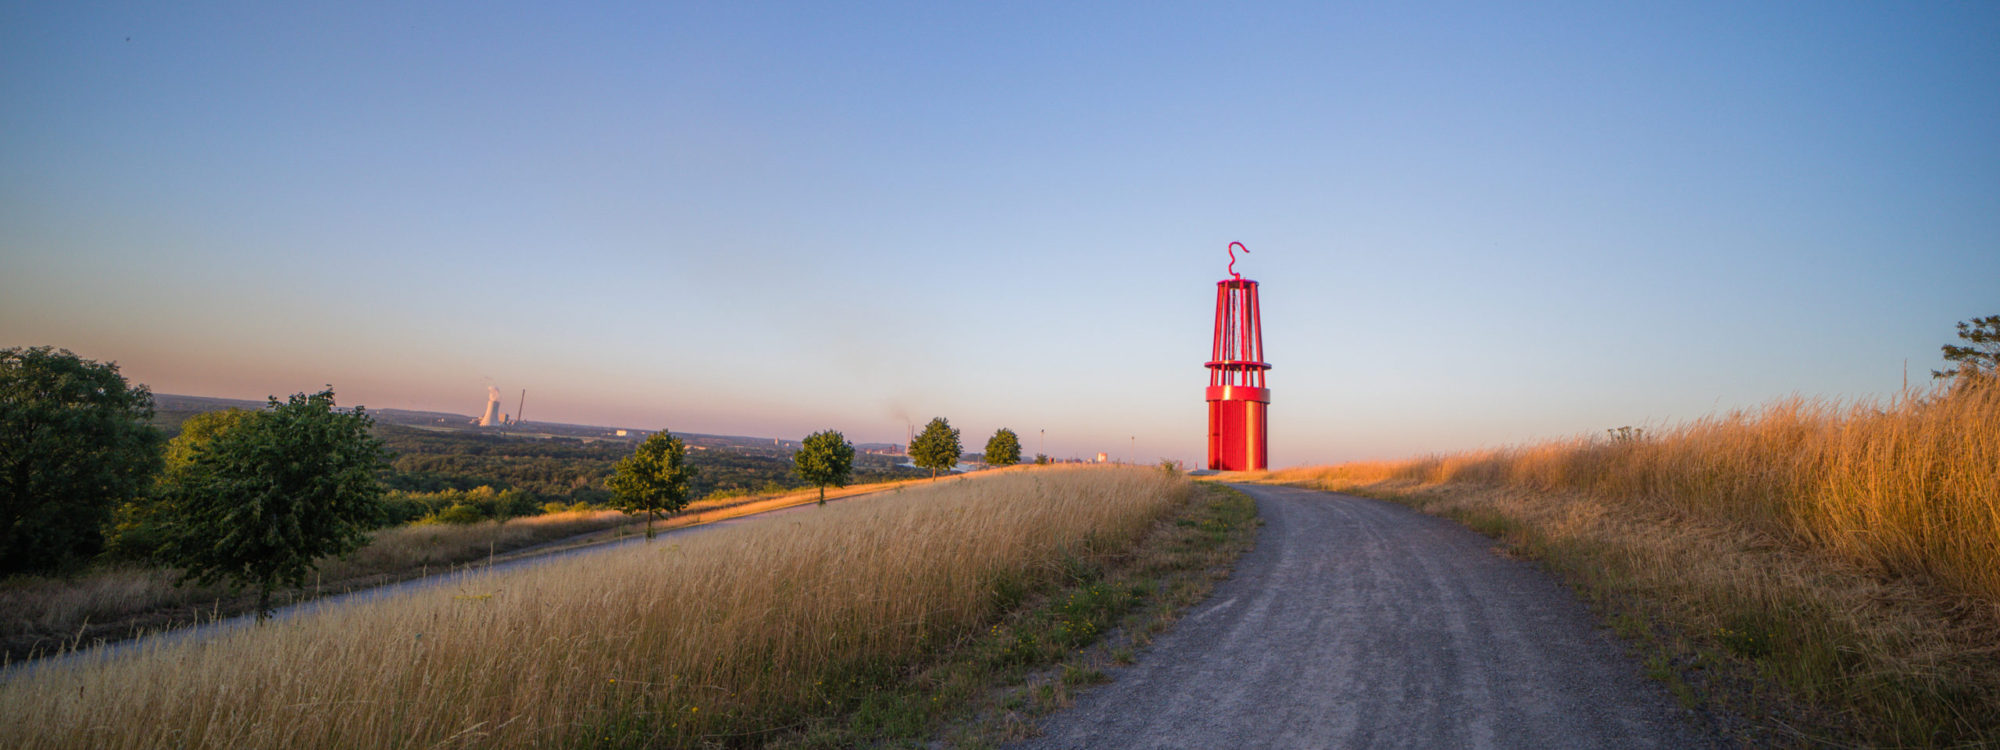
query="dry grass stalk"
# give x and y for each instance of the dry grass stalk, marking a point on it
(725, 633)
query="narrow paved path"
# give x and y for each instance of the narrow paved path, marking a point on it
(1358, 623)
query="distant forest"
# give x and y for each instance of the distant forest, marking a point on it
(568, 469)
(572, 470)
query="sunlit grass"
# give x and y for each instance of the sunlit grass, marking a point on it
(59, 607)
(58, 613)
(1910, 487)
(726, 634)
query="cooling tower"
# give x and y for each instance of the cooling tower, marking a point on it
(492, 416)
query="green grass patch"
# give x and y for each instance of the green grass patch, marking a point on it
(1051, 642)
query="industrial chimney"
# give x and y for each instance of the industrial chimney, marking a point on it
(1237, 398)
(492, 416)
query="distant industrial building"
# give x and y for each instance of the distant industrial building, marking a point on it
(492, 417)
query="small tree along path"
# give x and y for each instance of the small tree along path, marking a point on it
(824, 458)
(653, 480)
(936, 448)
(1358, 623)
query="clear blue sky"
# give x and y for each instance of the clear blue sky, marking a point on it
(1475, 223)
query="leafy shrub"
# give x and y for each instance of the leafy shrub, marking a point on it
(460, 514)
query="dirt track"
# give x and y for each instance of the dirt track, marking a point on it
(1358, 623)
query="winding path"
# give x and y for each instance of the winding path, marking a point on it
(1358, 623)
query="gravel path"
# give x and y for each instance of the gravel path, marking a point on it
(1358, 623)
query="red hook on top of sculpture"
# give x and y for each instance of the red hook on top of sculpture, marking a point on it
(1232, 258)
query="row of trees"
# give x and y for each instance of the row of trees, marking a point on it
(937, 448)
(654, 480)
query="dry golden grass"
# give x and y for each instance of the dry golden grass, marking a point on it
(406, 548)
(55, 608)
(1850, 551)
(59, 607)
(41, 615)
(443, 544)
(1911, 487)
(724, 634)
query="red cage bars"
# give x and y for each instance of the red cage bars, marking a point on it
(1237, 398)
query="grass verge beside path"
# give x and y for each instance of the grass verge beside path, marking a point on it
(45, 615)
(837, 627)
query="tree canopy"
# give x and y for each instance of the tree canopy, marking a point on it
(824, 458)
(1980, 355)
(75, 443)
(138, 529)
(258, 498)
(200, 430)
(653, 480)
(1004, 448)
(936, 448)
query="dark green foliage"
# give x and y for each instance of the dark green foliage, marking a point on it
(567, 469)
(936, 448)
(653, 480)
(75, 443)
(1004, 448)
(459, 506)
(824, 458)
(262, 500)
(1981, 355)
(138, 529)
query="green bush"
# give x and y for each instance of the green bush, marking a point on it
(460, 514)
(462, 506)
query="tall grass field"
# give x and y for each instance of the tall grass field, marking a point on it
(39, 616)
(1848, 551)
(714, 638)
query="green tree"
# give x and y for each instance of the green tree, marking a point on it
(1004, 448)
(269, 493)
(138, 529)
(653, 480)
(201, 429)
(1980, 355)
(936, 448)
(824, 458)
(75, 443)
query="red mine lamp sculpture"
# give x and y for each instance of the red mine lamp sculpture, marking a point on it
(1237, 398)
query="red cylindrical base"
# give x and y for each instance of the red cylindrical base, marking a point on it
(1236, 428)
